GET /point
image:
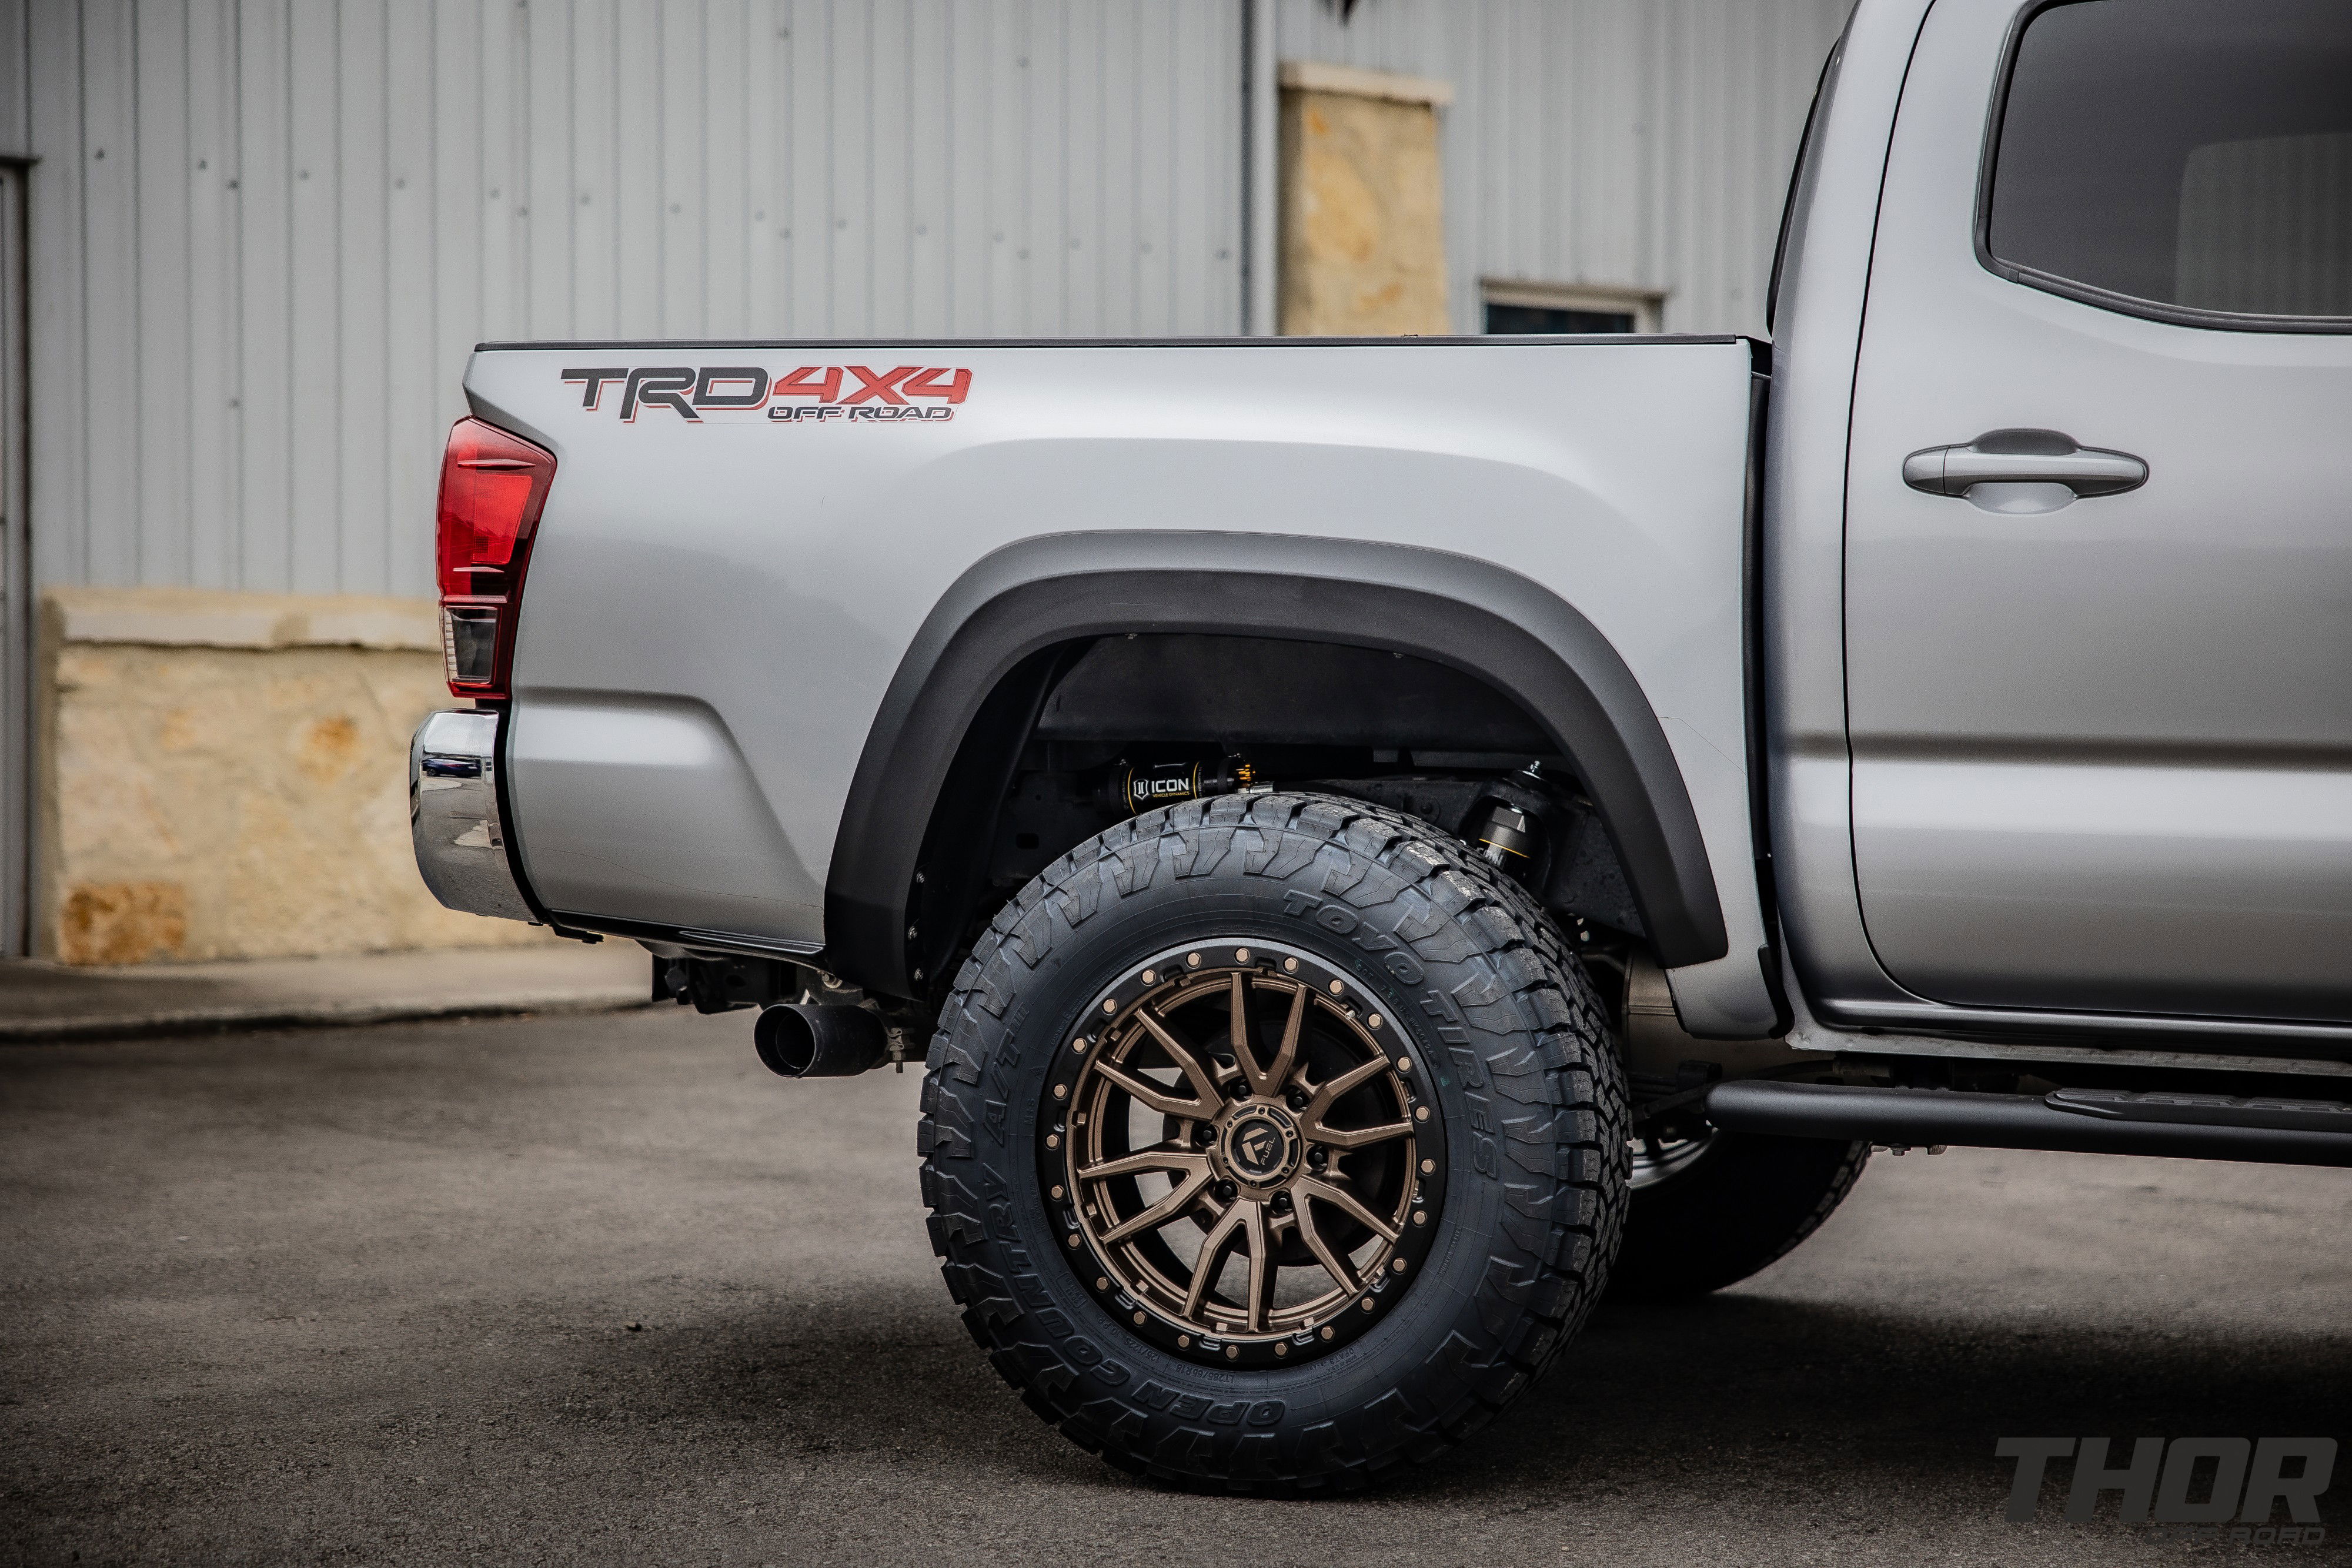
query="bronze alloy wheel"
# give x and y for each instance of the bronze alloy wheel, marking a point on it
(1241, 1159)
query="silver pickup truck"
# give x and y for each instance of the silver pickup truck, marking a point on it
(1377, 843)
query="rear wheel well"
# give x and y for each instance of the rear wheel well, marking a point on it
(1463, 653)
(1038, 771)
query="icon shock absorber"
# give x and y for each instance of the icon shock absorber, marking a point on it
(1139, 787)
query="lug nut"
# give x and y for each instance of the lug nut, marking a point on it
(1227, 1191)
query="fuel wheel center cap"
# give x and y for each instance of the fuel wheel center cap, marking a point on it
(1260, 1144)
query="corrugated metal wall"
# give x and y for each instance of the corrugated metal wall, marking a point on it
(1632, 143)
(268, 231)
(265, 232)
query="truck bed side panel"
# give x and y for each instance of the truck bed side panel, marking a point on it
(715, 605)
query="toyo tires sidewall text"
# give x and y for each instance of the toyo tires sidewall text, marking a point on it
(1520, 1072)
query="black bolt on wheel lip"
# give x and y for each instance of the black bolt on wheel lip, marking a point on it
(1138, 1295)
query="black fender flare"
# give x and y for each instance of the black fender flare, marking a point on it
(1472, 615)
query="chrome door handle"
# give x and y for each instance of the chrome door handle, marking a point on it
(2024, 457)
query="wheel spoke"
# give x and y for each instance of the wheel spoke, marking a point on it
(1155, 1096)
(1334, 1263)
(1320, 1105)
(1211, 1260)
(1170, 1207)
(1340, 1199)
(1159, 1158)
(1204, 1083)
(1259, 1295)
(1245, 1052)
(1285, 1054)
(1359, 1137)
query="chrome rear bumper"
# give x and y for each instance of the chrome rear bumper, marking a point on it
(453, 815)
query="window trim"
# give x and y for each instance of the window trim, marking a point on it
(1645, 305)
(2086, 293)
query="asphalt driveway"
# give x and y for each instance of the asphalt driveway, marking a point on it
(602, 1290)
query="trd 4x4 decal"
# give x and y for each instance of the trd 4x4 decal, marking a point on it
(835, 391)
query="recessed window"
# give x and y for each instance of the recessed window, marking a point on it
(1555, 318)
(1521, 307)
(2181, 154)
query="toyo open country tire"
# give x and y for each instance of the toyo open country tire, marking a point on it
(1450, 1073)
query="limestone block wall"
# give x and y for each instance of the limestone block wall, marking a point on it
(1362, 202)
(224, 776)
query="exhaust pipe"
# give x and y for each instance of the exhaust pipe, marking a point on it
(799, 1041)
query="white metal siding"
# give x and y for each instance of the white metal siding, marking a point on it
(268, 231)
(1636, 143)
(265, 232)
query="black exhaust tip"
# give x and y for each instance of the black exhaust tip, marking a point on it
(797, 1041)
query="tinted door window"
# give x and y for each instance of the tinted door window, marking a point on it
(2190, 153)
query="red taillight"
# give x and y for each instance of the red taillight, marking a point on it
(492, 487)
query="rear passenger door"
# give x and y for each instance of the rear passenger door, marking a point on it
(2099, 514)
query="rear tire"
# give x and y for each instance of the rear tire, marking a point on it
(1510, 1119)
(1738, 1204)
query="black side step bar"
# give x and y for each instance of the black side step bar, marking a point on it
(2088, 1121)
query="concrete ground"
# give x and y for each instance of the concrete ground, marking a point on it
(42, 1001)
(598, 1289)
